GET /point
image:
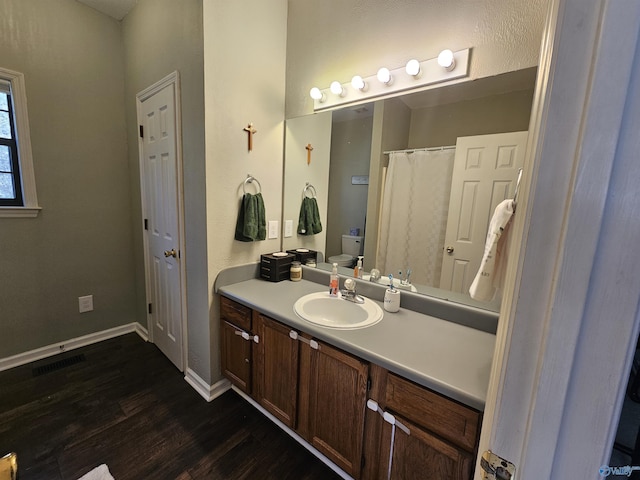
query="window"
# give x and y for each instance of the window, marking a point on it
(17, 183)
(10, 184)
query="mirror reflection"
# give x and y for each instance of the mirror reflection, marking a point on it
(393, 180)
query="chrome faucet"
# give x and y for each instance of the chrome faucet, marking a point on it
(349, 292)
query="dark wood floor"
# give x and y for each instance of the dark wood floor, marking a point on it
(127, 406)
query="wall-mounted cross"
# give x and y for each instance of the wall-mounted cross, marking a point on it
(250, 132)
(309, 148)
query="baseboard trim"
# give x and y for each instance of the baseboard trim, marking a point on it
(71, 344)
(294, 435)
(206, 391)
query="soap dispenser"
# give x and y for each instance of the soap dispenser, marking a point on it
(333, 282)
(357, 272)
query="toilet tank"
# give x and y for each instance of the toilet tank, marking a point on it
(352, 245)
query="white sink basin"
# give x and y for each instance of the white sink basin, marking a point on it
(335, 312)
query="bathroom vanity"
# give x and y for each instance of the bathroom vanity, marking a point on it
(403, 396)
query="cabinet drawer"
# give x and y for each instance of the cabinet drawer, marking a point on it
(450, 420)
(235, 313)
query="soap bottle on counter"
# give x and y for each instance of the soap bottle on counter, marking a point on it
(357, 271)
(333, 282)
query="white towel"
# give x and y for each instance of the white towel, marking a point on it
(99, 473)
(492, 266)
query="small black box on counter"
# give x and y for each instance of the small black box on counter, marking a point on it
(304, 254)
(275, 266)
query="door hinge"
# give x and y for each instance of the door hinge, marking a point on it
(362, 463)
(141, 131)
(146, 224)
(368, 384)
(150, 309)
(496, 468)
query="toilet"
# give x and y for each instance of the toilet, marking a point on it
(352, 246)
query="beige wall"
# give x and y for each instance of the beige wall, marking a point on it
(159, 37)
(244, 59)
(301, 131)
(338, 39)
(81, 242)
(350, 155)
(443, 124)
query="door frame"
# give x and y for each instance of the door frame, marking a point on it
(559, 370)
(171, 79)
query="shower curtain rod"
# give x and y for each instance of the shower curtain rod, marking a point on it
(430, 149)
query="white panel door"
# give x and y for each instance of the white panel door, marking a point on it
(485, 170)
(160, 173)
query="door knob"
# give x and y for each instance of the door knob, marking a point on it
(171, 253)
(449, 250)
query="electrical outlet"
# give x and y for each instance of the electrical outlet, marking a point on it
(85, 304)
(273, 228)
(288, 228)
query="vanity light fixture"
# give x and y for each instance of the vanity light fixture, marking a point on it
(415, 75)
(358, 83)
(413, 67)
(384, 76)
(336, 89)
(447, 60)
(317, 94)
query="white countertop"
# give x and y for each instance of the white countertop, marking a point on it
(449, 358)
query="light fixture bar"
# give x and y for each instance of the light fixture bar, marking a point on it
(430, 73)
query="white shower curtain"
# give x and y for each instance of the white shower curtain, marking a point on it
(414, 214)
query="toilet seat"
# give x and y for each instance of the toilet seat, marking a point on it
(342, 260)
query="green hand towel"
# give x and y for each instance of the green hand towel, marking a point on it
(251, 224)
(309, 219)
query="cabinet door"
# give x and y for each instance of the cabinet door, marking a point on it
(235, 356)
(277, 369)
(421, 455)
(337, 396)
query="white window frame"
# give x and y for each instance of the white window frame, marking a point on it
(25, 156)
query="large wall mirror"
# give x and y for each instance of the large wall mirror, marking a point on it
(403, 212)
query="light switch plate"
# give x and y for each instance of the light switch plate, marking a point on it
(273, 228)
(288, 228)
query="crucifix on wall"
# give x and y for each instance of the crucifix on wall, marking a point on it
(250, 132)
(309, 148)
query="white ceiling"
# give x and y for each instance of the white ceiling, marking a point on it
(117, 9)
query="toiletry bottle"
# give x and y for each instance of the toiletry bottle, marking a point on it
(333, 283)
(358, 273)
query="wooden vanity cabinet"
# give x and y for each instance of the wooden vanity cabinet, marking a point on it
(442, 439)
(321, 392)
(276, 367)
(334, 395)
(236, 350)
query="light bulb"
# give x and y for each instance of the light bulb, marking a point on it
(316, 94)
(336, 88)
(358, 83)
(413, 67)
(446, 60)
(384, 76)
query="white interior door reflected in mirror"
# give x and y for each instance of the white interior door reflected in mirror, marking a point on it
(485, 171)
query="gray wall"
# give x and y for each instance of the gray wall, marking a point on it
(161, 36)
(81, 242)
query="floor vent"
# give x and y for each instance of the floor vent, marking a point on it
(58, 364)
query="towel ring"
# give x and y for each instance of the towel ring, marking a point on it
(251, 179)
(309, 188)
